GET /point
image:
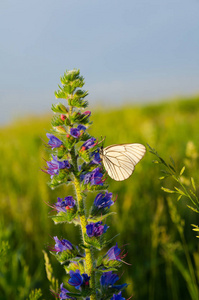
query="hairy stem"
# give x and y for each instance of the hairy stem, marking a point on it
(83, 222)
(89, 262)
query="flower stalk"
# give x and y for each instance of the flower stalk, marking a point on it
(75, 160)
(89, 262)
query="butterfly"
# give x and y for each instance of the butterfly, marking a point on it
(120, 160)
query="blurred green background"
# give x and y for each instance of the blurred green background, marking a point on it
(159, 268)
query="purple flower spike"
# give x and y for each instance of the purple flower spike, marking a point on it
(63, 295)
(75, 132)
(89, 144)
(103, 201)
(54, 142)
(96, 229)
(62, 245)
(118, 297)
(55, 165)
(76, 279)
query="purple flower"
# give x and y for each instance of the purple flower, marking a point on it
(114, 253)
(63, 205)
(103, 201)
(63, 295)
(81, 127)
(108, 279)
(89, 144)
(55, 165)
(96, 158)
(96, 177)
(75, 132)
(54, 142)
(62, 245)
(96, 229)
(118, 297)
(77, 280)
(69, 202)
(93, 177)
(86, 279)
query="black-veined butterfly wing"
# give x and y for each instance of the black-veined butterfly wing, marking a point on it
(120, 160)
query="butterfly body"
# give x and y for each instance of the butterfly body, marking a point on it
(120, 160)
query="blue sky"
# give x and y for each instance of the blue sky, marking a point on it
(133, 50)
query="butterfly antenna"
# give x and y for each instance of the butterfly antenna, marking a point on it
(102, 140)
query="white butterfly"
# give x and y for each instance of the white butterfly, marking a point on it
(120, 160)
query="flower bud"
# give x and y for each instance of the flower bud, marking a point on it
(60, 129)
(63, 117)
(87, 113)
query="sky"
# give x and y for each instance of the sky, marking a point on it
(133, 51)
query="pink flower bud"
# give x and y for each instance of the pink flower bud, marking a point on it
(87, 112)
(63, 117)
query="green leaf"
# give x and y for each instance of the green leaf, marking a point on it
(63, 217)
(112, 263)
(182, 171)
(74, 266)
(167, 190)
(104, 270)
(35, 294)
(193, 183)
(94, 242)
(179, 191)
(196, 227)
(66, 255)
(96, 187)
(56, 121)
(172, 168)
(166, 172)
(106, 243)
(99, 260)
(59, 108)
(99, 217)
(194, 209)
(172, 161)
(179, 197)
(49, 271)
(60, 94)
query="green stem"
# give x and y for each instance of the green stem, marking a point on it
(89, 262)
(193, 284)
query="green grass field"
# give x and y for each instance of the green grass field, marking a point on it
(156, 251)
